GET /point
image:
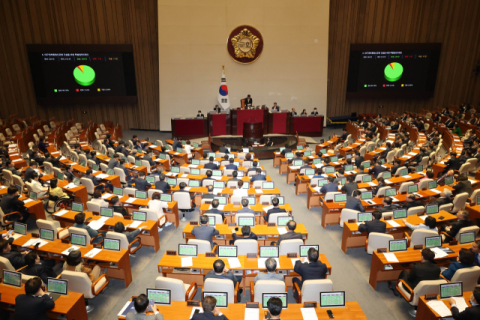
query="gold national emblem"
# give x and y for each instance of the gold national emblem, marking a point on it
(245, 44)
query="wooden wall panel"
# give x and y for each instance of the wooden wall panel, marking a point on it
(79, 22)
(454, 23)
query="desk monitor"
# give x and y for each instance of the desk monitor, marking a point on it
(448, 180)
(332, 299)
(452, 289)
(230, 156)
(12, 278)
(77, 206)
(367, 178)
(281, 149)
(83, 163)
(175, 169)
(299, 147)
(289, 155)
(195, 172)
(195, 162)
(138, 163)
(111, 244)
(404, 172)
(221, 297)
(246, 221)
(400, 154)
(219, 185)
(187, 250)
(222, 200)
(322, 182)
(382, 161)
(412, 189)
(216, 173)
(281, 296)
(467, 237)
(172, 181)
(297, 163)
(60, 176)
(317, 161)
(78, 239)
(345, 144)
(364, 216)
(118, 191)
(367, 195)
(139, 216)
(348, 167)
(141, 194)
(159, 296)
(282, 220)
(307, 153)
(162, 156)
(76, 181)
(304, 249)
(431, 209)
(340, 197)
(329, 170)
(106, 212)
(366, 164)
(179, 150)
(309, 172)
(419, 168)
(211, 220)
(20, 228)
(269, 185)
(371, 148)
(392, 192)
(246, 184)
(323, 151)
(150, 179)
(400, 214)
(397, 245)
(240, 174)
(478, 200)
(433, 242)
(165, 197)
(33, 195)
(95, 167)
(245, 150)
(227, 251)
(237, 163)
(58, 286)
(269, 252)
(281, 200)
(432, 185)
(251, 200)
(386, 175)
(194, 183)
(110, 172)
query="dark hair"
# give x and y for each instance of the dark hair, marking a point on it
(274, 306)
(356, 193)
(30, 258)
(259, 170)
(33, 285)
(291, 225)
(341, 171)
(210, 159)
(476, 293)
(377, 215)
(331, 179)
(209, 173)
(215, 203)
(218, 266)
(429, 174)
(466, 256)
(350, 178)
(74, 258)
(89, 172)
(245, 202)
(114, 200)
(210, 188)
(141, 303)
(33, 176)
(275, 201)
(255, 163)
(12, 190)
(231, 160)
(209, 303)
(182, 185)
(3, 244)
(234, 174)
(428, 254)
(80, 218)
(53, 183)
(162, 176)
(97, 194)
(240, 184)
(156, 196)
(387, 200)
(204, 219)
(312, 255)
(119, 227)
(245, 229)
(431, 222)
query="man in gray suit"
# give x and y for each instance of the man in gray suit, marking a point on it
(271, 265)
(141, 306)
(350, 186)
(291, 234)
(245, 208)
(220, 271)
(114, 162)
(204, 231)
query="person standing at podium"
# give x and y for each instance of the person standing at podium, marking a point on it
(248, 101)
(200, 114)
(269, 143)
(275, 107)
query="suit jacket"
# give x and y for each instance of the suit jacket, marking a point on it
(10, 203)
(440, 201)
(354, 204)
(216, 211)
(376, 170)
(69, 176)
(140, 184)
(16, 259)
(393, 169)
(113, 163)
(456, 226)
(269, 144)
(258, 177)
(310, 271)
(246, 210)
(208, 316)
(348, 188)
(386, 209)
(28, 173)
(211, 166)
(143, 316)
(248, 101)
(414, 203)
(358, 161)
(28, 307)
(200, 115)
(94, 179)
(229, 275)
(314, 113)
(468, 314)
(121, 210)
(231, 166)
(329, 187)
(204, 232)
(454, 164)
(422, 271)
(162, 185)
(286, 150)
(289, 236)
(268, 276)
(373, 226)
(273, 210)
(453, 267)
(39, 270)
(464, 186)
(223, 150)
(149, 159)
(54, 161)
(236, 237)
(276, 108)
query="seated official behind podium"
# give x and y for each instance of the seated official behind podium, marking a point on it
(210, 311)
(375, 225)
(309, 269)
(304, 112)
(220, 271)
(34, 304)
(469, 313)
(248, 101)
(269, 142)
(314, 112)
(271, 266)
(275, 209)
(294, 113)
(141, 307)
(275, 107)
(247, 234)
(200, 114)
(217, 109)
(275, 308)
(425, 270)
(204, 231)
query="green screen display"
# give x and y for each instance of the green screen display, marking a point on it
(282, 221)
(117, 191)
(450, 290)
(78, 207)
(111, 244)
(366, 216)
(332, 299)
(159, 296)
(46, 234)
(221, 298)
(467, 237)
(187, 250)
(268, 252)
(397, 245)
(78, 239)
(304, 250)
(12, 278)
(431, 242)
(391, 192)
(57, 286)
(432, 209)
(139, 216)
(20, 228)
(227, 251)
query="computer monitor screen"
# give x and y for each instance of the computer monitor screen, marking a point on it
(251, 200)
(448, 180)
(219, 185)
(227, 251)
(117, 191)
(166, 197)
(323, 151)
(76, 181)
(138, 163)
(340, 197)
(387, 175)
(20, 228)
(150, 179)
(432, 242)
(400, 214)
(366, 164)
(220, 297)
(400, 153)
(431, 209)
(391, 192)
(333, 159)
(329, 170)
(95, 167)
(106, 212)
(187, 250)
(269, 252)
(33, 196)
(364, 216)
(246, 184)
(322, 182)
(268, 296)
(349, 156)
(317, 161)
(216, 173)
(418, 168)
(60, 176)
(245, 150)
(163, 156)
(246, 221)
(46, 234)
(307, 153)
(432, 185)
(367, 178)
(77, 207)
(110, 172)
(367, 195)
(397, 245)
(211, 220)
(195, 172)
(467, 237)
(12, 278)
(172, 181)
(141, 194)
(159, 296)
(297, 163)
(404, 172)
(267, 185)
(412, 189)
(59, 286)
(139, 216)
(452, 289)
(221, 200)
(304, 249)
(289, 155)
(194, 183)
(332, 299)
(348, 167)
(175, 169)
(282, 220)
(78, 239)
(111, 244)
(240, 174)
(179, 150)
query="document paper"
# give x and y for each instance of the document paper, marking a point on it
(252, 314)
(391, 257)
(309, 314)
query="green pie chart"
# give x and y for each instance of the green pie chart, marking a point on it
(84, 75)
(393, 71)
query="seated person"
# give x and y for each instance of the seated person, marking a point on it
(269, 142)
(211, 165)
(220, 271)
(377, 169)
(239, 191)
(16, 258)
(354, 202)
(182, 187)
(350, 186)
(465, 259)
(230, 165)
(286, 150)
(140, 183)
(97, 198)
(275, 209)
(309, 268)
(200, 114)
(275, 308)
(95, 181)
(452, 230)
(425, 270)
(375, 225)
(214, 210)
(35, 267)
(246, 234)
(291, 234)
(34, 304)
(430, 224)
(344, 135)
(259, 176)
(141, 307)
(472, 312)
(254, 167)
(210, 311)
(10, 203)
(234, 176)
(245, 208)
(56, 191)
(381, 184)
(120, 228)
(68, 173)
(330, 186)
(410, 202)
(210, 194)
(445, 198)
(208, 178)
(161, 184)
(37, 186)
(80, 223)
(204, 231)
(387, 205)
(271, 266)
(74, 263)
(117, 206)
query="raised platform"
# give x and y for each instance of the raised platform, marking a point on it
(236, 143)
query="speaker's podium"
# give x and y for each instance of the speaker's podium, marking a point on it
(252, 130)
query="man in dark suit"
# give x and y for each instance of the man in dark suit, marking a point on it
(350, 186)
(445, 198)
(396, 165)
(291, 234)
(411, 202)
(275, 209)
(425, 270)
(208, 178)
(230, 165)
(214, 210)
(330, 186)
(36, 268)
(354, 201)
(114, 161)
(117, 206)
(210, 165)
(358, 160)
(463, 185)
(375, 225)
(140, 183)
(11, 203)
(200, 114)
(314, 112)
(121, 148)
(30, 170)
(472, 312)
(224, 149)
(453, 229)
(344, 135)
(16, 258)
(387, 205)
(311, 270)
(94, 179)
(377, 169)
(259, 176)
(286, 150)
(453, 163)
(221, 272)
(149, 157)
(247, 234)
(269, 143)
(248, 101)
(161, 184)
(254, 167)
(210, 194)
(204, 231)
(210, 311)
(275, 107)
(176, 144)
(54, 161)
(34, 304)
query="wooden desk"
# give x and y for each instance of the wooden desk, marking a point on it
(352, 238)
(231, 209)
(424, 312)
(72, 305)
(35, 208)
(80, 191)
(179, 310)
(171, 212)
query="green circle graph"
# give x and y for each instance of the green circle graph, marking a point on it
(84, 75)
(393, 71)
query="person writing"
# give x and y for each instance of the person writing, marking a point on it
(34, 304)
(248, 101)
(314, 112)
(304, 112)
(469, 313)
(141, 306)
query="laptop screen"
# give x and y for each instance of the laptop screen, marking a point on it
(246, 221)
(194, 183)
(387, 175)
(340, 197)
(164, 156)
(400, 214)
(166, 197)
(172, 181)
(141, 194)
(391, 192)
(282, 221)
(138, 163)
(78, 239)
(452, 289)
(404, 172)
(211, 220)
(467, 237)
(187, 250)
(413, 188)
(117, 191)
(397, 245)
(139, 216)
(221, 200)
(245, 150)
(432, 185)
(216, 173)
(46, 234)
(329, 170)
(159, 296)
(95, 167)
(12, 278)
(334, 159)
(77, 207)
(20, 228)
(348, 167)
(433, 242)
(419, 168)
(307, 153)
(364, 216)
(33, 196)
(289, 155)
(227, 251)
(175, 169)
(367, 195)
(332, 299)
(431, 209)
(219, 185)
(323, 151)
(448, 180)
(106, 212)
(304, 249)
(317, 161)
(57, 286)
(60, 176)
(309, 172)
(150, 179)
(267, 185)
(110, 172)
(221, 297)
(195, 172)
(268, 296)
(297, 163)
(269, 252)
(111, 244)
(367, 178)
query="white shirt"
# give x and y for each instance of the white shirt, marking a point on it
(157, 206)
(100, 202)
(37, 187)
(188, 148)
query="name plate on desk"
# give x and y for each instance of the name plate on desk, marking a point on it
(310, 304)
(232, 224)
(210, 254)
(171, 253)
(292, 255)
(252, 255)
(388, 218)
(252, 305)
(313, 185)
(432, 296)
(194, 223)
(271, 224)
(453, 243)
(352, 220)
(379, 250)
(193, 303)
(418, 247)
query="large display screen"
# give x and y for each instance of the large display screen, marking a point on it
(393, 70)
(82, 73)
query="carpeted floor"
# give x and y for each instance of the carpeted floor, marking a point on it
(350, 272)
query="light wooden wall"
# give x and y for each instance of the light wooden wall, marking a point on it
(79, 22)
(454, 23)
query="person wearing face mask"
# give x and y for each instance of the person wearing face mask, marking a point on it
(200, 114)
(472, 312)
(314, 112)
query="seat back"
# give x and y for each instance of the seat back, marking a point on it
(220, 285)
(415, 210)
(183, 200)
(88, 185)
(459, 202)
(119, 236)
(129, 191)
(218, 218)
(331, 195)
(390, 156)
(7, 175)
(203, 245)
(311, 289)
(93, 206)
(446, 207)
(378, 240)
(50, 225)
(245, 246)
(404, 187)
(424, 184)
(268, 286)
(347, 214)
(151, 191)
(426, 287)
(151, 214)
(467, 229)
(5, 265)
(176, 287)
(290, 246)
(273, 217)
(418, 236)
(237, 199)
(79, 282)
(468, 276)
(17, 181)
(382, 190)
(121, 174)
